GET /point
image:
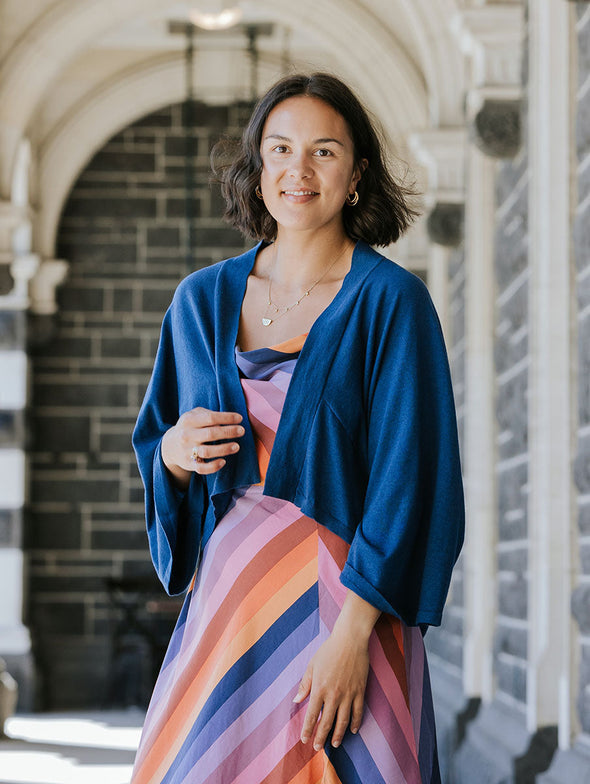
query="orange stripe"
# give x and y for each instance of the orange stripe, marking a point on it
(292, 345)
(263, 459)
(260, 609)
(312, 772)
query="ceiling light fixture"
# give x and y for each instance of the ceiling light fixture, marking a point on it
(221, 20)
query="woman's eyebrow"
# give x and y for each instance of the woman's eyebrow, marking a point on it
(287, 139)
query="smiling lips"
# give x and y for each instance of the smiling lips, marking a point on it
(299, 195)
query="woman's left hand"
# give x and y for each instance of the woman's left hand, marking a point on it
(336, 676)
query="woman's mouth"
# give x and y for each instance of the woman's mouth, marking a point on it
(299, 196)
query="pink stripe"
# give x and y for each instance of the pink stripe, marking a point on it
(376, 744)
(260, 407)
(391, 689)
(379, 664)
(274, 752)
(205, 607)
(390, 711)
(399, 748)
(248, 725)
(245, 517)
(329, 574)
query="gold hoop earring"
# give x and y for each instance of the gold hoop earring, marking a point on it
(258, 192)
(352, 199)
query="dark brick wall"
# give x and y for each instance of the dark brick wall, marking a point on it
(581, 240)
(124, 233)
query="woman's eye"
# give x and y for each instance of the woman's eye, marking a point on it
(279, 148)
(323, 153)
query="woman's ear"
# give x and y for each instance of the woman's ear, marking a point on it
(358, 172)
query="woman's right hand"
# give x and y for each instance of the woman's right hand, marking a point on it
(189, 446)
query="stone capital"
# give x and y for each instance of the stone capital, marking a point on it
(491, 36)
(496, 129)
(50, 274)
(442, 152)
(445, 224)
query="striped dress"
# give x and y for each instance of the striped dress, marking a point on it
(265, 597)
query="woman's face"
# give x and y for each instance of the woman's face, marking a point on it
(307, 164)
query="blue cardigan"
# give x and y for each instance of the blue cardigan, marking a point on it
(366, 445)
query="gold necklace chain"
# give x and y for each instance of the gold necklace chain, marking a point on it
(267, 321)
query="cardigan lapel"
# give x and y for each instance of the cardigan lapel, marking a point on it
(307, 382)
(309, 378)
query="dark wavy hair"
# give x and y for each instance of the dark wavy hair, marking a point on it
(384, 210)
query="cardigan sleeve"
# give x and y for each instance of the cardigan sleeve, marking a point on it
(412, 526)
(173, 517)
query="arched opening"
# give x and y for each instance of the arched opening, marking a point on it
(124, 232)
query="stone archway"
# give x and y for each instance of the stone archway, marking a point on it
(124, 231)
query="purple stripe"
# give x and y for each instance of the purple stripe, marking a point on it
(414, 653)
(254, 742)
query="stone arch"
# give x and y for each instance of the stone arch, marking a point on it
(124, 232)
(111, 106)
(358, 35)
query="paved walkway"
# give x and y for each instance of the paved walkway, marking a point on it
(70, 748)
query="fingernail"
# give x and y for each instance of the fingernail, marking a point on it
(317, 746)
(335, 743)
(297, 698)
(241, 431)
(235, 447)
(354, 730)
(304, 739)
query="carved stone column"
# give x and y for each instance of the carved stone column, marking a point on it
(15, 273)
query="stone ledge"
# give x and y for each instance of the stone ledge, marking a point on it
(453, 711)
(569, 767)
(499, 750)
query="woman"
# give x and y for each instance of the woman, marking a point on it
(298, 442)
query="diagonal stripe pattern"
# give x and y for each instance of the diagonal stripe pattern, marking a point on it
(266, 596)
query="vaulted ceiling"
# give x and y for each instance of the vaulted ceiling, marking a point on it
(74, 72)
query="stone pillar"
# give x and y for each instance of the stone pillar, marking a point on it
(442, 153)
(557, 642)
(15, 643)
(491, 38)
(498, 740)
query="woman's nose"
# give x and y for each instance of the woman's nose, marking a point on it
(300, 166)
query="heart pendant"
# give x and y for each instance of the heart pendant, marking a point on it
(266, 322)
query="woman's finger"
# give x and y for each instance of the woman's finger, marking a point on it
(341, 725)
(208, 466)
(304, 686)
(203, 451)
(311, 716)
(206, 417)
(218, 432)
(325, 725)
(357, 713)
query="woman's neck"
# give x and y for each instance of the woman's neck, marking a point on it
(298, 258)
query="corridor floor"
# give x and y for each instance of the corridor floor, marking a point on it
(70, 748)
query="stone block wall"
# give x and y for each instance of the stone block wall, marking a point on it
(512, 364)
(124, 233)
(581, 243)
(445, 644)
